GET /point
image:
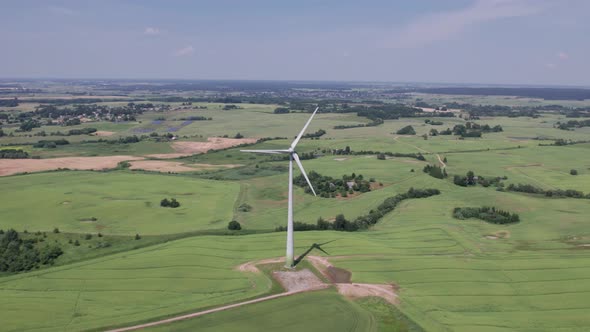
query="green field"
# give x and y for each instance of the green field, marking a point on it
(450, 274)
(122, 203)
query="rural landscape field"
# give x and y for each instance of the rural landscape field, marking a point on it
(95, 249)
(382, 166)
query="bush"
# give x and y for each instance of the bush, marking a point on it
(245, 207)
(573, 172)
(407, 130)
(234, 226)
(165, 202)
(87, 236)
(56, 230)
(137, 237)
(174, 203)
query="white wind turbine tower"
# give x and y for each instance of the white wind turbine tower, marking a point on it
(292, 156)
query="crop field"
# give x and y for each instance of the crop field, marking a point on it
(122, 203)
(448, 274)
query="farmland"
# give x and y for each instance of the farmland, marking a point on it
(448, 274)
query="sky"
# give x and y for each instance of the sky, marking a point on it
(541, 42)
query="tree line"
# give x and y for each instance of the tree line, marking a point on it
(556, 193)
(489, 214)
(365, 221)
(13, 154)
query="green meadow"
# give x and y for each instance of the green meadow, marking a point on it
(450, 274)
(122, 203)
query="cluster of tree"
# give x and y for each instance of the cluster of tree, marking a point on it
(281, 110)
(9, 102)
(471, 180)
(407, 130)
(365, 221)
(126, 140)
(435, 171)
(196, 118)
(563, 142)
(72, 122)
(2, 132)
(302, 156)
(433, 122)
(471, 129)
(475, 111)
(73, 132)
(230, 107)
(29, 124)
(557, 193)
(18, 255)
(171, 203)
(327, 186)
(13, 154)
(572, 124)
(489, 214)
(70, 116)
(51, 144)
(317, 134)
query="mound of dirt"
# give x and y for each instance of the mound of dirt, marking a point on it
(338, 275)
(297, 281)
(13, 166)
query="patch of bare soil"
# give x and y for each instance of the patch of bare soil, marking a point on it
(13, 166)
(340, 159)
(104, 133)
(213, 143)
(523, 166)
(338, 275)
(355, 290)
(297, 281)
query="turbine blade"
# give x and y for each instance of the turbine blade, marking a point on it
(323, 250)
(303, 130)
(296, 157)
(266, 151)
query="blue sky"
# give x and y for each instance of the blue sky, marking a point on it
(478, 41)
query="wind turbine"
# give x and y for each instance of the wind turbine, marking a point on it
(292, 156)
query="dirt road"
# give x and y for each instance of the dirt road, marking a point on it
(205, 312)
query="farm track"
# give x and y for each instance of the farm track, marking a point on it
(210, 311)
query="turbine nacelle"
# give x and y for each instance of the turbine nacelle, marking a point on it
(291, 151)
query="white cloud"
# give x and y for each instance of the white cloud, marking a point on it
(563, 56)
(62, 11)
(151, 31)
(188, 50)
(446, 25)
